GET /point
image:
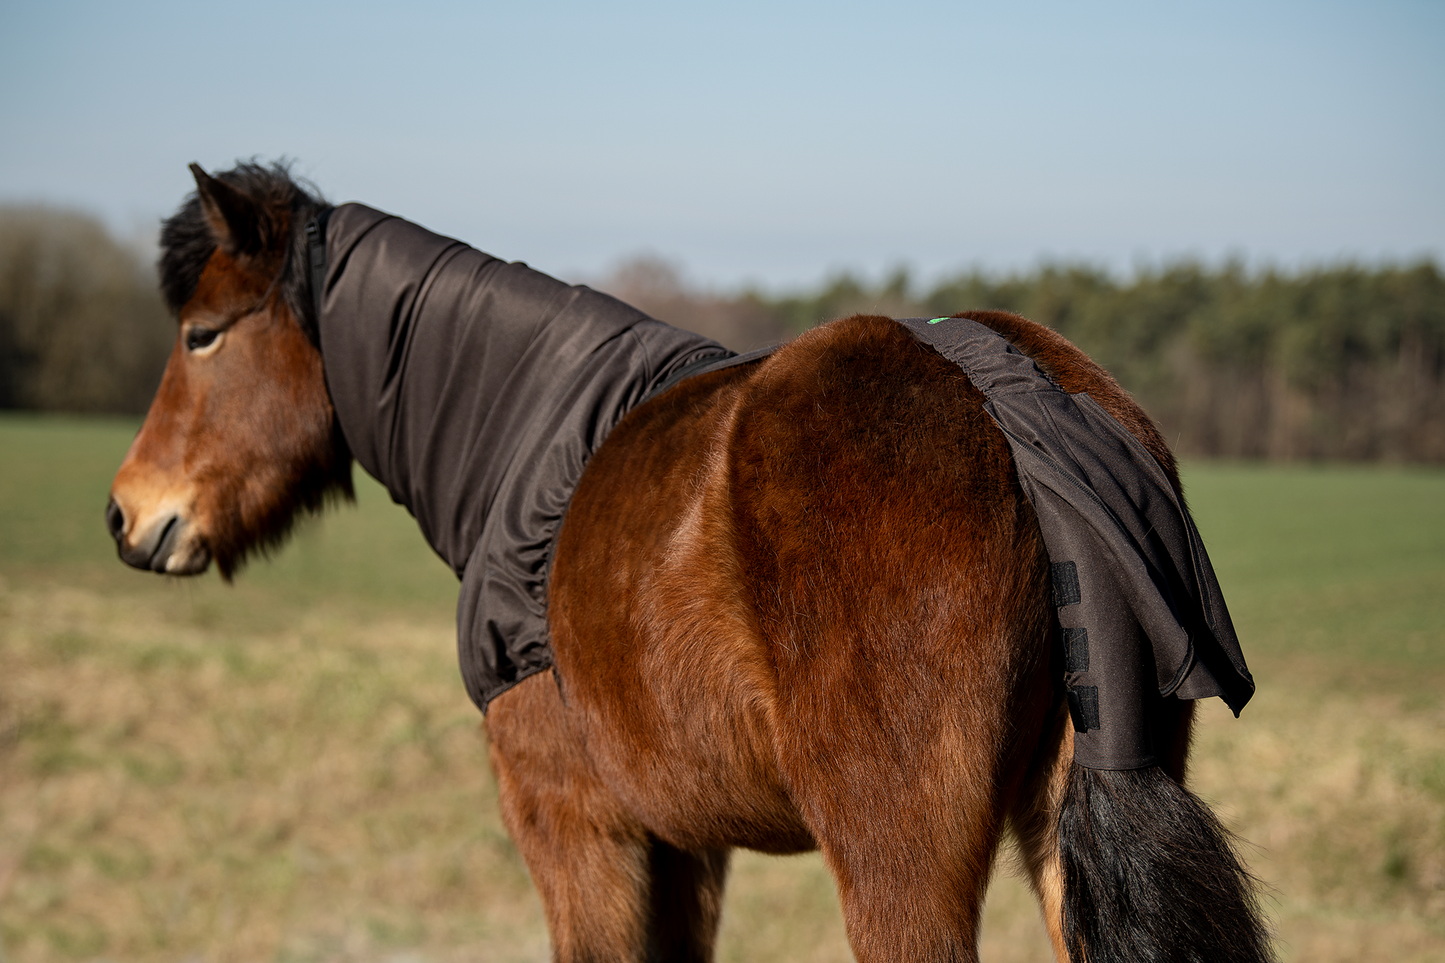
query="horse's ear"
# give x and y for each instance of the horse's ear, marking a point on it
(231, 214)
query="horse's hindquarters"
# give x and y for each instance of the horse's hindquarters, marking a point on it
(805, 602)
(904, 601)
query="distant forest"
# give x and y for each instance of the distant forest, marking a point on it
(1345, 363)
(1338, 363)
(82, 324)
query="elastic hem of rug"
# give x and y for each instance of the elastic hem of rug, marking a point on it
(486, 704)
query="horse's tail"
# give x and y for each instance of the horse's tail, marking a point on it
(1150, 874)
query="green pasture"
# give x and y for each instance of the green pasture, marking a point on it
(1339, 567)
(53, 489)
(287, 768)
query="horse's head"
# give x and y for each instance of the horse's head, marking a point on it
(241, 434)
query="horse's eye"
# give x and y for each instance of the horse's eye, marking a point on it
(198, 338)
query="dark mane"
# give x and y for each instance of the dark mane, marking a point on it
(187, 243)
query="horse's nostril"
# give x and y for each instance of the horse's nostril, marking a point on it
(114, 520)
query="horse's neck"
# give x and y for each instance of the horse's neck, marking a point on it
(443, 361)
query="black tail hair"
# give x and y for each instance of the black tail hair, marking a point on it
(1151, 875)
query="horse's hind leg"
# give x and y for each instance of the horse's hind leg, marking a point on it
(611, 890)
(1034, 820)
(905, 779)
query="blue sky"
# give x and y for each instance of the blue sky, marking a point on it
(764, 142)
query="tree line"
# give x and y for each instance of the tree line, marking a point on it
(1331, 363)
(1340, 363)
(82, 324)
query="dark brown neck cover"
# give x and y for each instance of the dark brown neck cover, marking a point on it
(476, 390)
(1140, 611)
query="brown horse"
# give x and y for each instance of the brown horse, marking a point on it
(796, 603)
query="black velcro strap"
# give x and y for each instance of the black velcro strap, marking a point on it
(1066, 584)
(1084, 707)
(316, 257)
(1076, 649)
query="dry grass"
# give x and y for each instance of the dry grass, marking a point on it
(170, 790)
(1341, 795)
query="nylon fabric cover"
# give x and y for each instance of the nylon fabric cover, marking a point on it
(1149, 603)
(475, 390)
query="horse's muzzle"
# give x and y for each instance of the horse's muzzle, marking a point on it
(163, 547)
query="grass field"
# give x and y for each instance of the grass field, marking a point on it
(288, 769)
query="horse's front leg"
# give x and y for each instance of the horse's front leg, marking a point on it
(611, 890)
